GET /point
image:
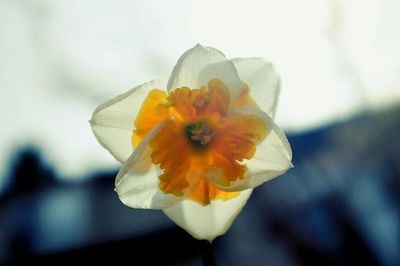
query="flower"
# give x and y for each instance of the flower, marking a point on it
(197, 149)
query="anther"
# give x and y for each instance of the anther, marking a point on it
(200, 133)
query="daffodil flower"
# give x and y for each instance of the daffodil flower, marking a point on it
(198, 148)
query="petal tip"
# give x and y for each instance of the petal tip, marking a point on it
(198, 45)
(202, 47)
(91, 122)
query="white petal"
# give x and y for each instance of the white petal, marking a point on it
(207, 222)
(112, 121)
(199, 65)
(273, 157)
(137, 183)
(263, 81)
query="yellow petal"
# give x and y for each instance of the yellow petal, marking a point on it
(150, 114)
(205, 192)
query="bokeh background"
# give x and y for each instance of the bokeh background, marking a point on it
(339, 62)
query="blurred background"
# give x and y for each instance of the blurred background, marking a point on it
(339, 62)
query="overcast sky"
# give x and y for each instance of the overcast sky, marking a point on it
(60, 59)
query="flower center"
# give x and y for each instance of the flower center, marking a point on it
(202, 143)
(199, 134)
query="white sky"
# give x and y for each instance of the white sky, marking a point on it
(60, 59)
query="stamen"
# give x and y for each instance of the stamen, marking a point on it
(199, 133)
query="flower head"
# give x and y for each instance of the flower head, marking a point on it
(197, 149)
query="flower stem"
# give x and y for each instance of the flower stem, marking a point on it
(208, 255)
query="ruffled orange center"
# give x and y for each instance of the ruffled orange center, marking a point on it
(203, 143)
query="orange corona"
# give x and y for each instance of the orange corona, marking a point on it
(203, 143)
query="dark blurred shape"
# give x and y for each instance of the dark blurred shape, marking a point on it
(340, 205)
(151, 249)
(29, 173)
(323, 234)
